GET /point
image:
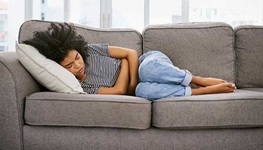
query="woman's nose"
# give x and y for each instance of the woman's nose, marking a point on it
(77, 65)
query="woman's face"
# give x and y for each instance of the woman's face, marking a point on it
(74, 63)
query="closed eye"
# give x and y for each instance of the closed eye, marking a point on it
(77, 56)
(69, 65)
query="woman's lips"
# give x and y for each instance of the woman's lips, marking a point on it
(81, 70)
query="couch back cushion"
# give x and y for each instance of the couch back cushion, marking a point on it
(205, 49)
(249, 56)
(129, 38)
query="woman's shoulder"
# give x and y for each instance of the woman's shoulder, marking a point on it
(101, 49)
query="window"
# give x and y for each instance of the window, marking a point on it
(52, 10)
(3, 34)
(165, 11)
(124, 14)
(85, 12)
(128, 14)
(11, 17)
(3, 25)
(233, 12)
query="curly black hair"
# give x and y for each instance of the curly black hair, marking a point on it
(57, 41)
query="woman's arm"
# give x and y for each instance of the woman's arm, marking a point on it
(121, 85)
(133, 64)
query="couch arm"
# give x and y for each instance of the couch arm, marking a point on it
(16, 84)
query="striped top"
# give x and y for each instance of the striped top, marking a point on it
(102, 70)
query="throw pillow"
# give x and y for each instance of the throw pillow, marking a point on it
(46, 71)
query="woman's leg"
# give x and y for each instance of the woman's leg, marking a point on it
(157, 67)
(202, 81)
(153, 91)
(213, 89)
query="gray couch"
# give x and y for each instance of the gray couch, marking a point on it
(33, 118)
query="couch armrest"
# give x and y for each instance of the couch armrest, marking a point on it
(16, 84)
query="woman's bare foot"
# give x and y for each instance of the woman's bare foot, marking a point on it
(218, 88)
(206, 81)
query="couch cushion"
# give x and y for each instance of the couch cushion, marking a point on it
(249, 54)
(205, 49)
(61, 109)
(254, 89)
(129, 38)
(239, 109)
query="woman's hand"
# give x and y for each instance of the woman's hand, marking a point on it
(122, 83)
(133, 64)
(131, 90)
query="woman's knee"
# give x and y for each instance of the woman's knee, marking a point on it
(147, 55)
(147, 69)
(144, 90)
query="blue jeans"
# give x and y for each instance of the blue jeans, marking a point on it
(159, 78)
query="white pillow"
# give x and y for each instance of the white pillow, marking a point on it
(46, 71)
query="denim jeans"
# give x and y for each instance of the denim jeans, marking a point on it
(159, 78)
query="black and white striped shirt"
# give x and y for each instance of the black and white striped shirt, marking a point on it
(102, 70)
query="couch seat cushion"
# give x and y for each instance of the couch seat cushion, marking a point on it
(254, 89)
(61, 109)
(242, 108)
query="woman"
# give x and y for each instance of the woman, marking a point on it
(104, 69)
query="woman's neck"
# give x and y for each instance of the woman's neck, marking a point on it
(83, 77)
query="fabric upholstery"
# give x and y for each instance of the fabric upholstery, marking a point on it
(239, 109)
(15, 84)
(58, 109)
(249, 54)
(76, 121)
(129, 38)
(73, 138)
(195, 46)
(254, 89)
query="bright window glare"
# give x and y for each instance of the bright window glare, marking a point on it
(234, 12)
(128, 14)
(54, 3)
(163, 11)
(11, 17)
(85, 12)
(124, 13)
